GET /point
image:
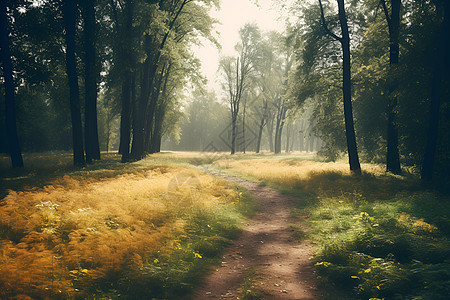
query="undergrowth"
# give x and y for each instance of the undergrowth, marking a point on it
(377, 236)
(132, 231)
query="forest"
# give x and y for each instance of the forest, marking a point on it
(123, 174)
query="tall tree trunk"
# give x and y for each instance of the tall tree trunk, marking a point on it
(157, 132)
(301, 137)
(124, 33)
(270, 125)
(311, 142)
(352, 148)
(294, 138)
(233, 133)
(125, 118)
(10, 109)
(160, 109)
(392, 153)
(288, 136)
(90, 116)
(301, 140)
(70, 15)
(281, 115)
(443, 46)
(261, 126)
(150, 68)
(260, 132)
(355, 167)
(243, 123)
(152, 110)
(137, 148)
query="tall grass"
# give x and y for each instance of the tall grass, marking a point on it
(136, 231)
(377, 236)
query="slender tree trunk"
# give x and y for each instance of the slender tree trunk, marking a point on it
(261, 125)
(108, 134)
(137, 148)
(157, 133)
(279, 127)
(311, 142)
(277, 139)
(124, 33)
(294, 138)
(355, 167)
(392, 153)
(233, 133)
(288, 136)
(70, 15)
(152, 111)
(301, 140)
(260, 132)
(10, 109)
(243, 124)
(150, 68)
(301, 137)
(125, 122)
(90, 124)
(352, 148)
(443, 46)
(270, 125)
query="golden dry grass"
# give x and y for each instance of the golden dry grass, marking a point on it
(83, 229)
(322, 179)
(292, 172)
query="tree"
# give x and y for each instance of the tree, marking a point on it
(123, 29)
(90, 82)
(393, 20)
(282, 101)
(10, 110)
(344, 40)
(441, 60)
(70, 10)
(237, 72)
(269, 74)
(146, 110)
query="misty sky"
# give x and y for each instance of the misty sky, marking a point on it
(232, 15)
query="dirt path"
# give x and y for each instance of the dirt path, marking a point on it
(281, 265)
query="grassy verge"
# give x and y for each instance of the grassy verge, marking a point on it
(376, 236)
(135, 231)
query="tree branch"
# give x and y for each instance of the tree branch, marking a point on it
(386, 12)
(325, 25)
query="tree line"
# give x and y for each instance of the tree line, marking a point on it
(378, 73)
(371, 76)
(135, 52)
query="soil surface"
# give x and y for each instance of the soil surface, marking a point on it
(266, 252)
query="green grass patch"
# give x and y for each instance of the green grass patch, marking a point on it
(248, 290)
(299, 233)
(376, 236)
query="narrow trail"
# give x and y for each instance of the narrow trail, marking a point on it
(281, 265)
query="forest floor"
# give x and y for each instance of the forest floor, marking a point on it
(266, 260)
(181, 225)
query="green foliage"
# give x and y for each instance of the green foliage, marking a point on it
(378, 248)
(317, 79)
